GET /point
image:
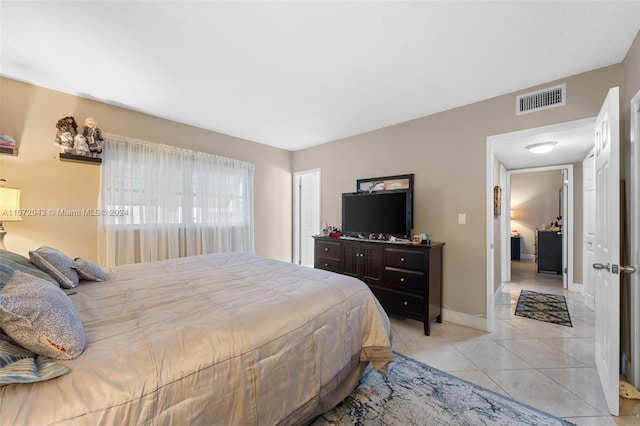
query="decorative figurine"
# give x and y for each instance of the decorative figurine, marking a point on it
(93, 134)
(67, 130)
(80, 146)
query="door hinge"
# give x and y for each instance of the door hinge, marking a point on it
(614, 269)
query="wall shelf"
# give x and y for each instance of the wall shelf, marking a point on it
(80, 158)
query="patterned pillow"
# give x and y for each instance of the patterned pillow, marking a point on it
(40, 317)
(89, 270)
(11, 262)
(18, 365)
(56, 264)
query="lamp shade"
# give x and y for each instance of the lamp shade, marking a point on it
(9, 205)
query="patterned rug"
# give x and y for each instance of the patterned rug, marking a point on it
(414, 394)
(543, 307)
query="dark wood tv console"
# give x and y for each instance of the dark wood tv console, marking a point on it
(406, 278)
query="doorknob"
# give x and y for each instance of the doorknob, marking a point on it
(600, 266)
(627, 269)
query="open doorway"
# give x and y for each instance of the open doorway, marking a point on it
(539, 199)
(509, 152)
(306, 215)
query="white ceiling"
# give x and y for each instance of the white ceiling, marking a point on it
(298, 74)
(574, 142)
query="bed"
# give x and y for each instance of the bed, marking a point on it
(214, 339)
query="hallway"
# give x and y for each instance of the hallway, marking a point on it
(548, 366)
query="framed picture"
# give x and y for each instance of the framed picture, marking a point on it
(385, 183)
(497, 200)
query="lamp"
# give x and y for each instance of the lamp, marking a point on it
(512, 215)
(542, 147)
(9, 208)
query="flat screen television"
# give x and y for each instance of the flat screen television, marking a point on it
(383, 212)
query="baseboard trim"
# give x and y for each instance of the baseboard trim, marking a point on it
(467, 320)
(577, 287)
(497, 293)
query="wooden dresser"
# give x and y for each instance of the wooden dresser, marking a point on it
(406, 278)
(549, 251)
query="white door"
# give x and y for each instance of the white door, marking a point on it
(306, 215)
(607, 250)
(589, 218)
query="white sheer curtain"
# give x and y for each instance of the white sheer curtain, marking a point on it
(160, 202)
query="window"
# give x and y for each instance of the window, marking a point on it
(159, 202)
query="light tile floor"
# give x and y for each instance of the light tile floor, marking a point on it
(550, 367)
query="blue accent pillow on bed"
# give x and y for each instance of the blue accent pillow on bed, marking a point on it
(40, 317)
(88, 270)
(56, 264)
(11, 262)
(18, 365)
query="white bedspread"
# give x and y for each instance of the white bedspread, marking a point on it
(228, 339)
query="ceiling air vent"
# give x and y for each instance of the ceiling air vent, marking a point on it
(541, 99)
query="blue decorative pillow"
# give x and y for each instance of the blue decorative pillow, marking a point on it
(40, 317)
(88, 270)
(56, 264)
(18, 365)
(11, 262)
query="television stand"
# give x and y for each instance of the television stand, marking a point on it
(406, 278)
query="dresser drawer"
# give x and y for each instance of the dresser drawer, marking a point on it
(405, 280)
(326, 263)
(328, 249)
(399, 302)
(404, 259)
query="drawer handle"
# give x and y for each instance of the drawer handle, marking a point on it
(402, 259)
(405, 303)
(401, 280)
(326, 264)
(326, 249)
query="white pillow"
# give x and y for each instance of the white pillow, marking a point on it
(40, 317)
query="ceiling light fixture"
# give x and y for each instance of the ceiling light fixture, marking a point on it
(542, 147)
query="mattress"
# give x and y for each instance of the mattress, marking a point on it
(228, 339)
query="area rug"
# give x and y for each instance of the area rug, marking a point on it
(543, 307)
(414, 394)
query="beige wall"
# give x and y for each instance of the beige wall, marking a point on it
(447, 154)
(30, 113)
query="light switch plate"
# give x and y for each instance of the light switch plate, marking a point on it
(462, 218)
